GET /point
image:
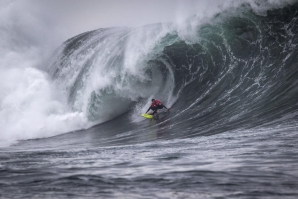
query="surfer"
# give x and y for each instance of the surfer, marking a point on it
(156, 104)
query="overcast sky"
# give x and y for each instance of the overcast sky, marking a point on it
(47, 23)
(78, 16)
(58, 20)
(84, 15)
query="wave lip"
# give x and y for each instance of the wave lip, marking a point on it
(108, 71)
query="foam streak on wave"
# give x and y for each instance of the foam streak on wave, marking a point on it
(105, 72)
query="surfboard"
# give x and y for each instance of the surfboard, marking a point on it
(147, 116)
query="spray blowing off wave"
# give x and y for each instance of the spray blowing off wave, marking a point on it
(106, 72)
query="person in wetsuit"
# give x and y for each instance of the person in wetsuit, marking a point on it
(155, 105)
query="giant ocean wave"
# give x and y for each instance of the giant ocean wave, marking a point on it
(230, 81)
(237, 70)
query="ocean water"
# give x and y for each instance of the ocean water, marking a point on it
(71, 127)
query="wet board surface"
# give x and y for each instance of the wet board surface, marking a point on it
(147, 116)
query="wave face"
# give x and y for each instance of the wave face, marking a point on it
(106, 72)
(239, 70)
(236, 70)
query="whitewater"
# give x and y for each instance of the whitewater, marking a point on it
(70, 107)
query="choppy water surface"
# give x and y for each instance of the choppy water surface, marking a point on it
(260, 163)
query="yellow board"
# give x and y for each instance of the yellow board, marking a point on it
(147, 116)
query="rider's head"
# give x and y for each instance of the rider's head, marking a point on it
(153, 100)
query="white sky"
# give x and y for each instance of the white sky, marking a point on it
(84, 15)
(76, 16)
(45, 24)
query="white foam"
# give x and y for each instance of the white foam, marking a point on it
(31, 106)
(30, 109)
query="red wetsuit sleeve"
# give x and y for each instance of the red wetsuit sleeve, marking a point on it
(157, 102)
